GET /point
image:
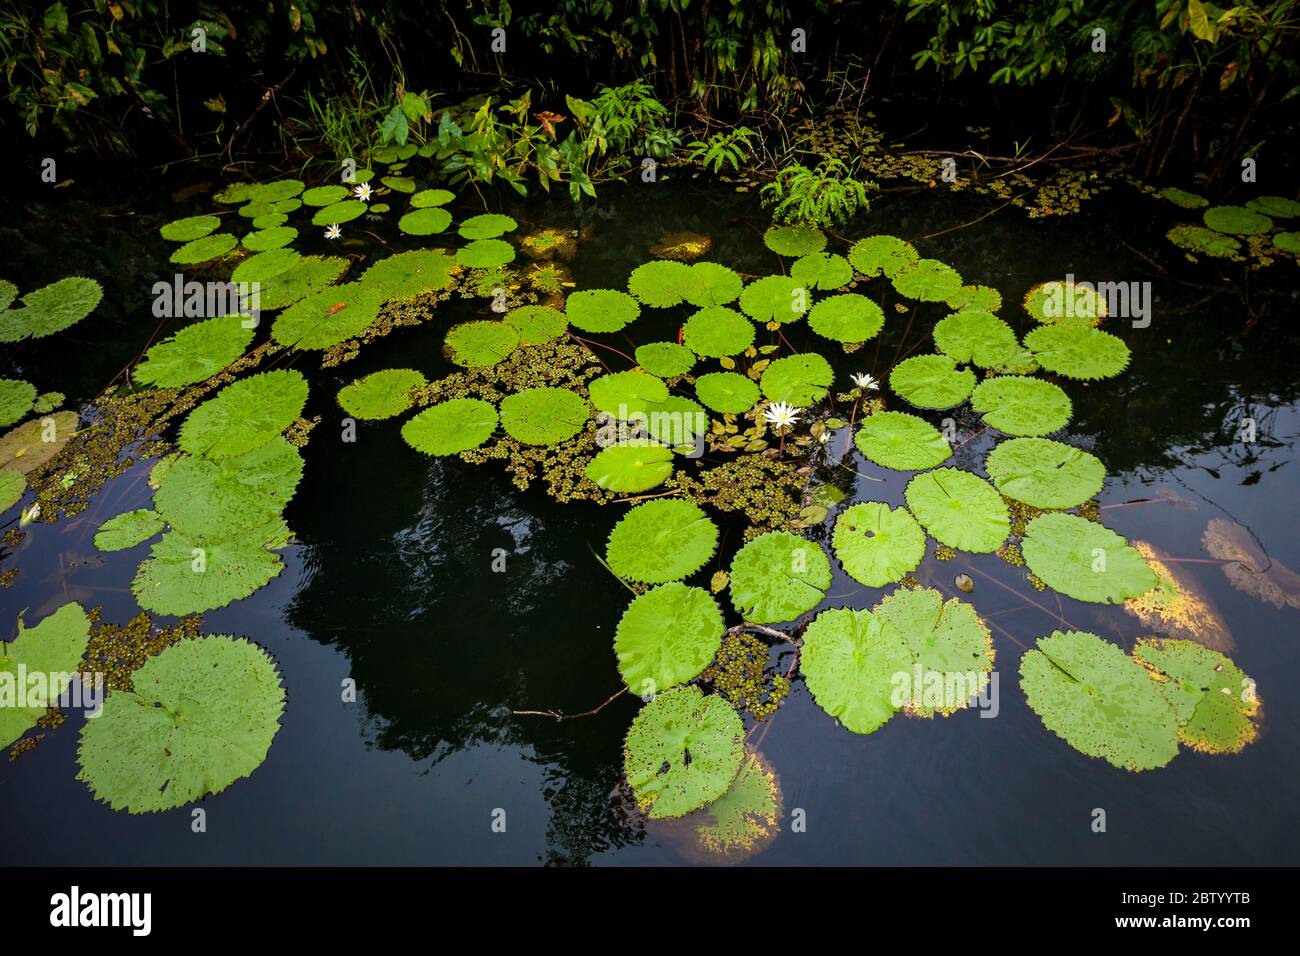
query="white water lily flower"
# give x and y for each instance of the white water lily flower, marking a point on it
(865, 381)
(781, 415)
(362, 192)
(333, 231)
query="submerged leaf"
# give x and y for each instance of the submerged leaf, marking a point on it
(1177, 606)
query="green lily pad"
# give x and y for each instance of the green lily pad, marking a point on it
(12, 485)
(128, 529)
(1026, 407)
(877, 544)
(978, 338)
(883, 254)
(264, 240)
(959, 509)
(624, 394)
(928, 280)
(324, 195)
(328, 317)
(189, 228)
(660, 541)
(244, 415)
(601, 310)
(1099, 700)
(710, 284)
(195, 353)
(451, 427)
(902, 442)
(51, 309)
(1077, 351)
(231, 497)
(846, 318)
(931, 381)
(666, 637)
(425, 222)
(1182, 198)
(409, 274)
(1279, 207)
(975, 298)
(277, 191)
(1212, 699)
(54, 646)
(849, 661)
(485, 254)
(426, 198)
(1065, 303)
(201, 716)
(1045, 473)
(665, 359)
(1236, 221)
(800, 380)
(35, 442)
(480, 344)
(543, 416)
(16, 399)
(1084, 559)
(794, 241)
(382, 394)
(778, 576)
(659, 283)
(775, 299)
(1206, 241)
(1288, 242)
(822, 271)
(265, 265)
(631, 466)
(951, 650)
(487, 226)
(186, 575)
(682, 752)
(204, 250)
(727, 392)
(338, 213)
(537, 324)
(718, 331)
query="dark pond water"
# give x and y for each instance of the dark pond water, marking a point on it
(390, 583)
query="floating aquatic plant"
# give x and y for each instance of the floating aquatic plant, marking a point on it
(848, 660)
(128, 529)
(536, 324)
(1045, 473)
(185, 575)
(660, 541)
(195, 353)
(901, 441)
(1288, 242)
(626, 393)
(883, 254)
(480, 343)
(666, 637)
(1177, 606)
(1061, 302)
(399, 184)
(665, 359)
(727, 392)
(263, 240)
(931, 381)
(1213, 700)
(1084, 559)
(684, 246)
(877, 544)
(265, 265)
(408, 274)
(682, 751)
(324, 195)
(12, 485)
(1021, 406)
(778, 576)
(328, 317)
(277, 191)
(775, 299)
(339, 212)
(1206, 241)
(231, 497)
(244, 415)
(485, 253)
(189, 228)
(743, 820)
(659, 284)
(543, 416)
(54, 646)
(976, 298)
(311, 274)
(1182, 198)
(204, 250)
(33, 443)
(959, 509)
(451, 427)
(927, 280)
(601, 310)
(381, 394)
(631, 466)
(1236, 221)
(800, 380)
(846, 318)
(50, 309)
(487, 226)
(794, 241)
(710, 284)
(1078, 351)
(1099, 700)
(822, 270)
(427, 198)
(16, 399)
(978, 338)
(202, 715)
(1279, 207)
(717, 331)
(425, 222)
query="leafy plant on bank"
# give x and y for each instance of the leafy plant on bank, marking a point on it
(825, 195)
(731, 148)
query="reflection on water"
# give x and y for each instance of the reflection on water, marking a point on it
(453, 599)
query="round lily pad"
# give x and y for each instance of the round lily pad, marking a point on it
(1018, 405)
(794, 241)
(536, 324)
(265, 265)
(340, 212)
(932, 381)
(54, 646)
(16, 399)
(449, 427)
(727, 392)
(977, 338)
(959, 509)
(665, 359)
(195, 353)
(778, 576)
(1084, 559)
(659, 284)
(710, 284)
(543, 416)
(846, 318)
(800, 380)
(426, 198)
(882, 254)
(1045, 473)
(1213, 700)
(487, 226)
(601, 310)
(660, 541)
(481, 343)
(170, 582)
(624, 394)
(877, 544)
(822, 271)
(718, 331)
(204, 250)
(245, 414)
(409, 274)
(189, 229)
(951, 649)
(425, 222)
(1077, 351)
(1202, 240)
(927, 280)
(324, 195)
(775, 299)
(276, 237)
(849, 661)
(326, 318)
(1236, 220)
(1065, 303)
(631, 466)
(485, 254)
(381, 394)
(901, 441)
(666, 637)
(311, 274)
